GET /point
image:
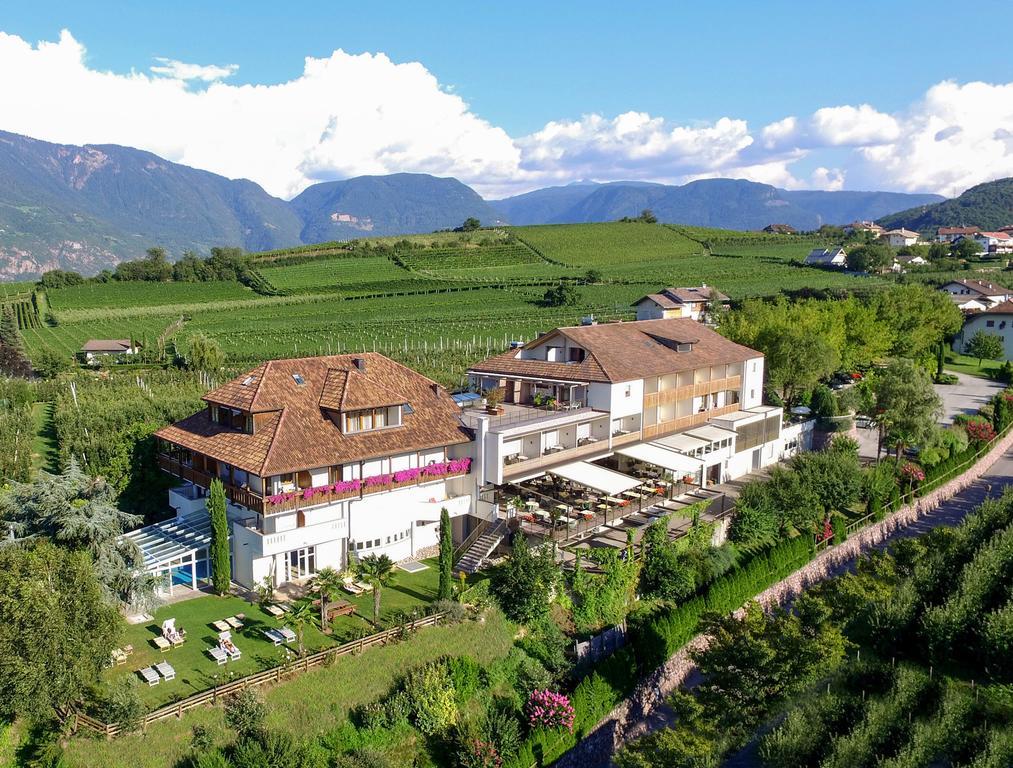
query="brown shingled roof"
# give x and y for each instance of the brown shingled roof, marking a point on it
(625, 351)
(671, 297)
(302, 436)
(1005, 308)
(986, 289)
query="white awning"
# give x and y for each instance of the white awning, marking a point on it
(661, 457)
(682, 442)
(593, 476)
(171, 540)
(711, 433)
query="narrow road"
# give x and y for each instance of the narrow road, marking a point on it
(951, 512)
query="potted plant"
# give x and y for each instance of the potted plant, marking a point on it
(688, 479)
(493, 398)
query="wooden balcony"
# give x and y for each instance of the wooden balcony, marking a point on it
(686, 422)
(298, 501)
(676, 394)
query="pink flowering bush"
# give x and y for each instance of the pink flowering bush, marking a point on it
(479, 754)
(550, 710)
(912, 472)
(979, 431)
(437, 469)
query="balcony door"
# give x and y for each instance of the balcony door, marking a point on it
(300, 563)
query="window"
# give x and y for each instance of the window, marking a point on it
(372, 418)
(990, 323)
(297, 377)
(628, 390)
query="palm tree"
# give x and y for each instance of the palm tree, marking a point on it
(301, 615)
(376, 570)
(326, 583)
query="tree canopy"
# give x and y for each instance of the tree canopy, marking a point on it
(906, 403)
(985, 346)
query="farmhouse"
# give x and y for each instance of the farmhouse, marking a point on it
(780, 229)
(898, 238)
(997, 320)
(320, 457)
(985, 295)
(827, 257)
(671, 303)
(95, 349)
(949, 234)
(863, 226)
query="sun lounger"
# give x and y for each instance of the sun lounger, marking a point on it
(221, 625)
(149, 676)
(234, 622)
(364, 586)
(288, 634)
(274, 636)
(165, 670)
(353, 589)
(218, 655)
(118, 656)
(226, 644)
(171, 633)
(274, 610)
(161, 644)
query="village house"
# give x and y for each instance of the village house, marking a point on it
(995, 242)
(975, 295)
(898, 238)
(320, 457)
(827, 257)
(780, 229)
(950, 234)
(996, 320)
(863, 226)
(671, 303)
(97, 349)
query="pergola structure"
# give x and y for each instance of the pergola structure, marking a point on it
(176, 550)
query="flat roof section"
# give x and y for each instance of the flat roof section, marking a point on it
(682, 442)
(600, 478)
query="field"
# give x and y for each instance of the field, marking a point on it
(436, 302)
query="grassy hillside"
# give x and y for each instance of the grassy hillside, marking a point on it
(988, 206)
(437, 302)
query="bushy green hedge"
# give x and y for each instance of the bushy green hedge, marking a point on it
(654, 640)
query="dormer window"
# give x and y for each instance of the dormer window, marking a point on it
(684, 347)
(298, 379)
(371, 419)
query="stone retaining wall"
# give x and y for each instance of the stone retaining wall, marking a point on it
(631, 718)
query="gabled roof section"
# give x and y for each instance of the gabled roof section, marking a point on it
(295, 431)
(670, 298)
(1005, 308)
(625, 351)
(985, 289)
(106, 345)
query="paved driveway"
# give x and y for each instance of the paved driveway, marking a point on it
(966, 396)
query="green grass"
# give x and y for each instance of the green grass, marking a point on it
(969, 365)
(196, 671)
(310, 704)
(351, 274)
(602, 246)
(45, 452)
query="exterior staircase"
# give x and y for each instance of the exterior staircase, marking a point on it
(475, 553)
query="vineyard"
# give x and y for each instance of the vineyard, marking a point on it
(436, 302)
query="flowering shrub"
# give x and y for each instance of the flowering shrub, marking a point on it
(980, 431)
(912, 472)
(437, 469)
(548, 709)
(479, 754)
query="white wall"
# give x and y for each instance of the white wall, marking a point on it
(1001, 325)
(752, 384)
(626, 398)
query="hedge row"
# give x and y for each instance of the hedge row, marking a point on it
(653, 641)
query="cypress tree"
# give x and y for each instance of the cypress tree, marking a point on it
(446, 588)
(221, 568)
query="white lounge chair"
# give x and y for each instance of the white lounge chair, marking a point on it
(165, 670)
(171, 633)
(274, 610)
(274, 636)
(226, 644)
(218, 655)
(149, 676)
(288, 634)
(235, 622)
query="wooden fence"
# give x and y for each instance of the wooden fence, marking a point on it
(273, 675)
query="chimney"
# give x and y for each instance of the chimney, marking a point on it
(360, 364)
(436, 388)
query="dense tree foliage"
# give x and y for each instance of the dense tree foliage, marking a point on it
(80, 513)
(907, 405)
(56, 628)
(562, 295)
(13, 361)
(524, 584)
(446, 559)
(218, 551)
(985, 346)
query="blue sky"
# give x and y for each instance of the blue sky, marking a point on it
(519, 66)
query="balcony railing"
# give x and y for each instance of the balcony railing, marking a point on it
(515, 468)
(304, 498)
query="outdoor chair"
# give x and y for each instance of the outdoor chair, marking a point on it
(274, 610)
(149, 676)
(218, 655)
(171, 633)
(226, 644)
(276, 637)
(234, 622)
(161, 644)
(166, 671)
(288, 634)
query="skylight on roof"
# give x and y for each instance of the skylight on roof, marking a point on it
(407, 409)
(247, 381)
(297, 377)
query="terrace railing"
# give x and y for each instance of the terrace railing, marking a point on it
(273, 675)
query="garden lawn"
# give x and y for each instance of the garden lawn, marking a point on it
(195, 670)
(969, 365)
(310, 704)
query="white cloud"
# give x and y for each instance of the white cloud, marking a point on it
(180, 70)
(348, 115)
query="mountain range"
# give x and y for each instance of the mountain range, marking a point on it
(988, 205)
(88, 207)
